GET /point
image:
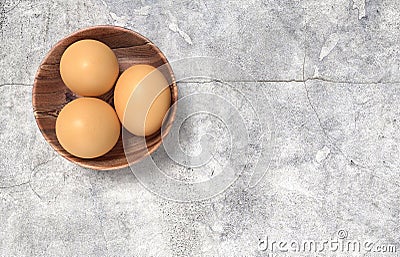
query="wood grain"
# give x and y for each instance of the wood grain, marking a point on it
(50, 94)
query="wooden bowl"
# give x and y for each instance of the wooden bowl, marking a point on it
(50, 95)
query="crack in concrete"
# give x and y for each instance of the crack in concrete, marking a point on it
(16, 84)
(331, 142)
(201, 81)
(16, 185)
(29, 182)
(352, 162)
(33, 172)
(288, 81)
(13, 7)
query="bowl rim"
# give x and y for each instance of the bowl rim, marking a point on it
(171, 113)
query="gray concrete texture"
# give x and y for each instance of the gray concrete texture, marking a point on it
(331, 73)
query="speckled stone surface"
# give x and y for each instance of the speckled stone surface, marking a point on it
(330, 71)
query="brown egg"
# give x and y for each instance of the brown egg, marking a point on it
(89, 67)
(142, 98)
(87, 127)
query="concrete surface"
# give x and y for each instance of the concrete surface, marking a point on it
(331, 73)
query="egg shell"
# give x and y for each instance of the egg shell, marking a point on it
(89, 67)
(142, 98)
(87, 127)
